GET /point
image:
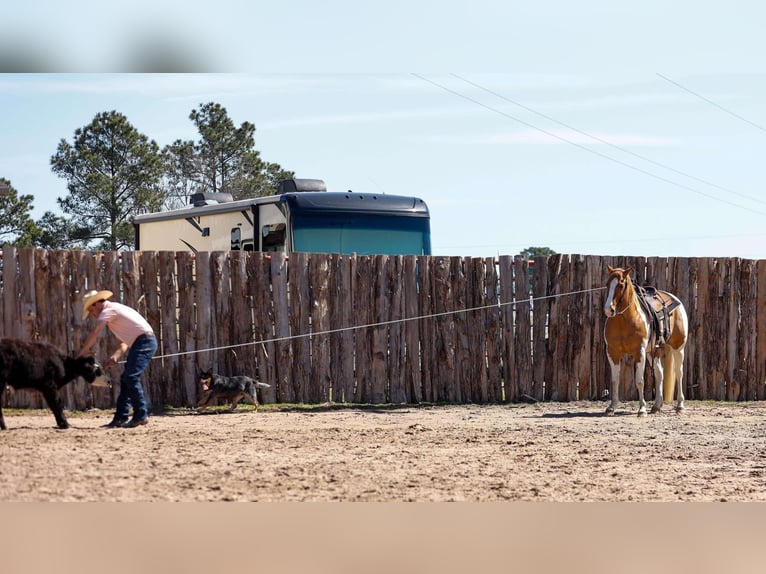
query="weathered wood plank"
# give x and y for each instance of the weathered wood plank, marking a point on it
(379, 332)
(187, 328)
(300, 323)
(319, 378)
(241, 325)
(679, 284)
(224, 359)
(397, 348)
(699, 332)
(413, 381)
(27, 315)
(341, 319)
(460, 390)
(507, 328)
(492, 333)
(202, 302)
(173, 393)
(258, 290)
(27, 294)
(443, 359)
(716, 325)
(581, 329)
(522, 336)
(11, 323)
(364, 316)
(746, 343)
(286, 387)
(558, 276)
(540, 308)
(477, 332)
(147, 303)
(760, 330)
(691, 387)
(425, 326)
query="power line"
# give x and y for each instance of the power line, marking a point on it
(615, 146)
(585, 148)
(711, 102)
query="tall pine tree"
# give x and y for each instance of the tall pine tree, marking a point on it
(112, 173)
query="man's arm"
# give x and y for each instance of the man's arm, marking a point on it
(91, 340)
(121, 350)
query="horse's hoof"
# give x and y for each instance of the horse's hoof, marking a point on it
(609, 412)
(641, 414)
(656, 410)
(680, 410)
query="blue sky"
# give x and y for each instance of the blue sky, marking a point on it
(586, 127)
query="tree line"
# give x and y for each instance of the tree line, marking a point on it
(114, 172)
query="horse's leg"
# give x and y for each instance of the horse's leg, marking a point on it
(659, 378)
(678, 360)
(614, 393)
(638, 376)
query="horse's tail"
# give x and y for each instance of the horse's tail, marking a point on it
(669, 378)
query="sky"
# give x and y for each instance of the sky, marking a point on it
(587, 127)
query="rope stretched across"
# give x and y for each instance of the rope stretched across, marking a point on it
(369, 325)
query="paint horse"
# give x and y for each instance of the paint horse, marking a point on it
(644, 323)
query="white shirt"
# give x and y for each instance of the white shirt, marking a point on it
(126, 323)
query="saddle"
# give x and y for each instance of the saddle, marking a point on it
(658, 305)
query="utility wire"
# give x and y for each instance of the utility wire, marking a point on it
(712, 103)
(585, 148)
(615, 146)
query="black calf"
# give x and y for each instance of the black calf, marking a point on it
(32, 365)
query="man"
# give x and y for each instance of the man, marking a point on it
(136, 338)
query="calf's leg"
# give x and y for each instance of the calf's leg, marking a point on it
(50, 392)
(2, 394)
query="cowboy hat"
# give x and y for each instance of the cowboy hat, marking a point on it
(91, 297)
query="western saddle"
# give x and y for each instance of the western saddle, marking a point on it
(658, 305)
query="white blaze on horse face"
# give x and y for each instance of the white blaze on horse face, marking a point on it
(609, 309)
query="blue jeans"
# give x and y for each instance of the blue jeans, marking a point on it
(131, 391)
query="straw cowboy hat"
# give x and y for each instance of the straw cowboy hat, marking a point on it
(91, 297)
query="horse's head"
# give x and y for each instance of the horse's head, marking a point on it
(619, 288)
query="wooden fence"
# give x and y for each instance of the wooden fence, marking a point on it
(384, 329)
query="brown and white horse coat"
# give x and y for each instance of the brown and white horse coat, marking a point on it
(630, 336)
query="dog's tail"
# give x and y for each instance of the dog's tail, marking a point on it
(261, 385)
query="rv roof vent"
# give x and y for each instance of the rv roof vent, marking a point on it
(200, 199)
(298, 185)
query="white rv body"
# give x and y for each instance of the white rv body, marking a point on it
(299, 218)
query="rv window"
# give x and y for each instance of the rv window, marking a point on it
(236, 239)
(273, 237)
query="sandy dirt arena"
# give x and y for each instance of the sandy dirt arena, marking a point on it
(538, 452)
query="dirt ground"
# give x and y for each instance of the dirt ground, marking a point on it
(537, 452)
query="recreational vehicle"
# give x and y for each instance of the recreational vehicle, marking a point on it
(301, 216)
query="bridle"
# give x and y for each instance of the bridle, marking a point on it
(623, 290)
